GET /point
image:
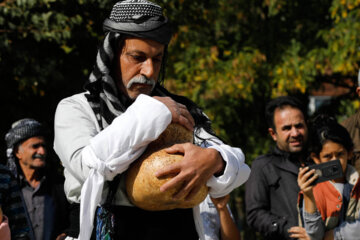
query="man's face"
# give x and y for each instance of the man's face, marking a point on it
(140, 63)
(290, 132)
(32, 153)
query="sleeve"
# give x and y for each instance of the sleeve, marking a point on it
(314, 225)
(130, 132)
(74, 126)
(236, 170)
(257, 202)
(347, 230)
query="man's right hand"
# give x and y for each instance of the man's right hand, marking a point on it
(179, 112)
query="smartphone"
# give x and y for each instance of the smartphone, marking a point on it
(327, 171)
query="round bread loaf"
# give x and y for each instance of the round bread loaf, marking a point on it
(143, 188)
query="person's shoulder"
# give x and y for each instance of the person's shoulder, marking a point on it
(76, 98)
(77, 102)
(352, 120)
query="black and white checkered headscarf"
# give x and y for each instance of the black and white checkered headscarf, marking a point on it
(137, 18)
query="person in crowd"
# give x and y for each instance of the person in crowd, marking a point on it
(41, 187)
(272, 190)
(330, 209)
(352, 124)
(13, 220)
(228, 229)
(100, 132)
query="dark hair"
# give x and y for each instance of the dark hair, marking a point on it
(324, 128)
(281, 102)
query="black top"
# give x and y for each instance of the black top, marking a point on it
(271, 194)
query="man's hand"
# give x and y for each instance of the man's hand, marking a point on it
(179, 112)
(198, 165)
(299, 233)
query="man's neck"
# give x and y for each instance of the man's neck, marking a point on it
(298, 157)
(32, 176)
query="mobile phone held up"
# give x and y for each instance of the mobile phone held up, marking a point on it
(327, 171)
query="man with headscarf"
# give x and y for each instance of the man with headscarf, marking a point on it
(99, 133)
(42, 191)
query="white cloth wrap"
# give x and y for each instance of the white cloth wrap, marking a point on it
(109, 155)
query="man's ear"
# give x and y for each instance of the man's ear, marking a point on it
(272, 134)
(358, 91)
(16, 152)
(315, 158)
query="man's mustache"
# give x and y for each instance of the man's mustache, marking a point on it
(41, 156)
(142, 80)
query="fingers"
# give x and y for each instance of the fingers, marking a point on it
(185, 117)
(298, 232)
(179, 112)
(168, 170)
(173, 182)
(176, 148)
(221, 201)
(306, 178)
(189, 191)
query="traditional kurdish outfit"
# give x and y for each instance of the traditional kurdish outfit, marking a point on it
(99, 133)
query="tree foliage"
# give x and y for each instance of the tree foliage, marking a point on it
(229, 56)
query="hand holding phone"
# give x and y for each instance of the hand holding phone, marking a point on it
(327, 171)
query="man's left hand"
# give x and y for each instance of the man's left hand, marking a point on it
(198, 165)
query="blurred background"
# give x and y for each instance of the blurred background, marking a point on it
(229, 56)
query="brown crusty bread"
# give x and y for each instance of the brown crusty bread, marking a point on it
(143, 188)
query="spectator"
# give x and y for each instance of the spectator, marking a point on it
(41, 187)
(222, 220)
(331, 209)
(272, 190)
(99, 133)
(12, 208)
(352, 124)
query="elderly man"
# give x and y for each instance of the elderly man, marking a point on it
(272, 189)
(99, 133)
(42, 192)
